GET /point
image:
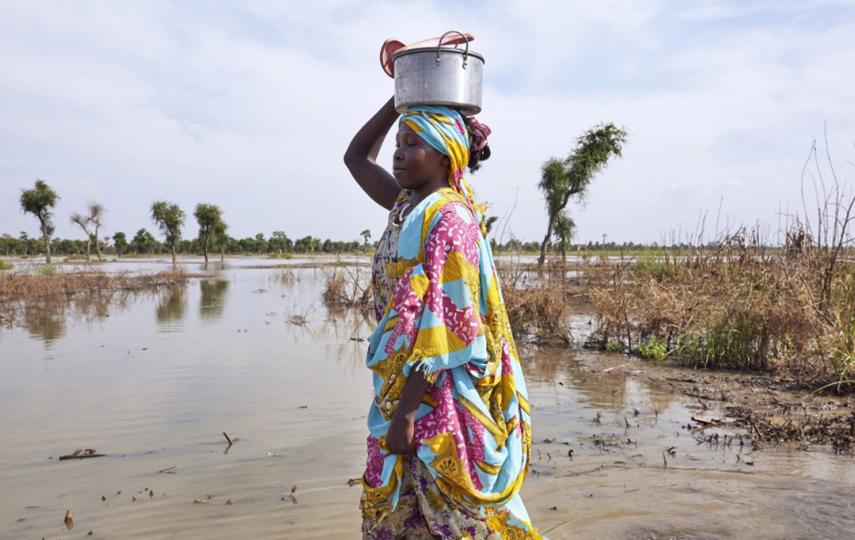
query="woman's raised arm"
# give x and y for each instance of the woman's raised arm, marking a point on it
(361, 157)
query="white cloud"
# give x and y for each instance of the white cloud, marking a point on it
(251, 106)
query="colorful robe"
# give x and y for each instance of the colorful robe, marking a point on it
(447, 319)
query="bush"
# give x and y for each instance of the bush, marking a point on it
(653, 348)
(734, 307)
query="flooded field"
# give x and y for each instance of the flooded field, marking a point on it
(153, 381)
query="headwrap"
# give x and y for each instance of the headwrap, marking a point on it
(446, 131)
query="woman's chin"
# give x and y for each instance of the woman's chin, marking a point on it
(402, 180)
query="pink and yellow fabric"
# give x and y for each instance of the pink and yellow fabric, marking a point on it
(446, 318)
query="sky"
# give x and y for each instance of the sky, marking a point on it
(250, 105)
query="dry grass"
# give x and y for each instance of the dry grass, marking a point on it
(537, 304)
(14, 287)
(346, 287)
(736, 307)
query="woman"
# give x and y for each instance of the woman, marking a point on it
(450, 429)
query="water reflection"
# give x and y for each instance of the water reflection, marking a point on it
(45, 320)
(171, 306)
(600, 381)
(214, 293)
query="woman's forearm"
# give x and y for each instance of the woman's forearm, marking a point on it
(361, 157)
(400, 437)
(411, 397)
(368, 140)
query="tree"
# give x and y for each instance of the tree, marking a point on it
(279, 242)
(563, 232)
(96, 218)
(562, 179)
(39, 201)
(143, 242)
(120, 243)
(169, 217)
(83, 221)
(221, 238)
(366, 236)
(208, 216)
(91, 225)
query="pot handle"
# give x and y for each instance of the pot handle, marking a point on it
(439, 47)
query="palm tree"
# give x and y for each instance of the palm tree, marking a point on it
(170, 218)
(366, 236)
(39, 201)
(562, 179)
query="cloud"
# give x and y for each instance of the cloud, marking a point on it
(251, 105)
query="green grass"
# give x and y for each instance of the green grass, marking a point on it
(653, 348)
(614, 346)
(47, 270)
(6, 265)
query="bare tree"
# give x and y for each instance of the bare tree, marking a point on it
(96, 218)
(91, 225)
(84, 223)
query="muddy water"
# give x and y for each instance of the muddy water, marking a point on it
(154, 381)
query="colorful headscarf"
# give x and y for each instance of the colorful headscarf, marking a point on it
(445, 130)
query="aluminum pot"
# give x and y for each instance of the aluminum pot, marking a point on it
(439, 76)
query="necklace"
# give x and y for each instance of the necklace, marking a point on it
(398, 217)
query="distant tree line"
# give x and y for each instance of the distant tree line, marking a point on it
(169, 219)
(562, 180)
(144, 243)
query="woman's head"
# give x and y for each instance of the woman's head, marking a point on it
(416, 163)
(439, 139)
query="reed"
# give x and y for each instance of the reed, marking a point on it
(346, 287)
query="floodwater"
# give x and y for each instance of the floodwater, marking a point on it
(154, 380)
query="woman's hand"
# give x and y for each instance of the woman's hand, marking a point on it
(400, 437)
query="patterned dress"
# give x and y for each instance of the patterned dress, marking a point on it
(472, 444)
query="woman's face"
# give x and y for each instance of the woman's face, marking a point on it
(415, 162)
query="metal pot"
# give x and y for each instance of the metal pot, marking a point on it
(439, 76)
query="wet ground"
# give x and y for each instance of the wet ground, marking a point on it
(154, 382)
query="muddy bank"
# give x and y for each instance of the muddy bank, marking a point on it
(769, 409)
